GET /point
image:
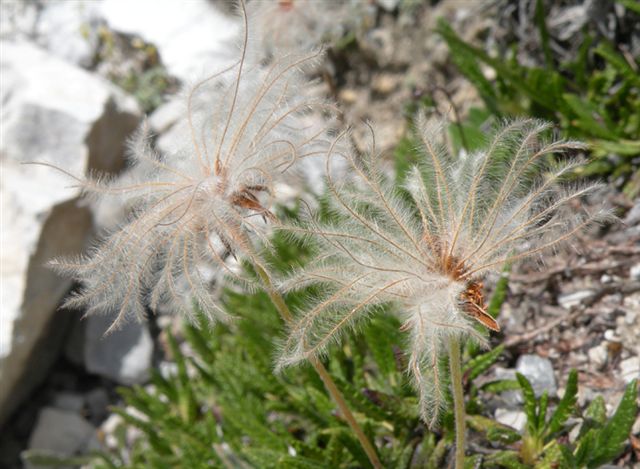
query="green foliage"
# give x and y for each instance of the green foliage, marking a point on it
(606, 441)
(599, 441)
(594, 97)
(224, 407)
(147, 87)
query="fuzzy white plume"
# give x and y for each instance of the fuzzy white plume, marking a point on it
(426, 254)
(192, 208)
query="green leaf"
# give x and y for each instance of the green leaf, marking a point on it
(506, 459)
(542, 410)
(585, 448)
(587, 117)
(539, 18)
(478, 365)
(554, 457)
(613, 57)
(611, 439)
(500, 385)
(565, 406)
(530, 405)
(38, 457)
(500, 293)
(495, 432)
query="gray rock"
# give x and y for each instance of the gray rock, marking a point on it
(62, 433)
(539, 372)
(123, 356)
(510, 399)
(192, 37)
(55, 113)
(97, 404)
(68, 401)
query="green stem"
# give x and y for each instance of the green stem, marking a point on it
(458, 399)
(330, 385)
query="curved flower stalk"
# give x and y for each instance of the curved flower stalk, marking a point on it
(192, 208)
(426, 248)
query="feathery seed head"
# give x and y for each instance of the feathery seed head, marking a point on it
(193, 207)
(426, 249)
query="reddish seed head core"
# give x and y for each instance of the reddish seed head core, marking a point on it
(472, 298)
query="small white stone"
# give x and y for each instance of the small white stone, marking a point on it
(634, 272)
(514, 418)
(389, 5)
(598, 355)
(630, 369)
(611, 336)
(569, 300)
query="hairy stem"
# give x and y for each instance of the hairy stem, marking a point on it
(458, 399)
(330, 385)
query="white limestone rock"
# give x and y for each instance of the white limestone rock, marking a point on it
(66, 29)
(52, 112)
(193, 37)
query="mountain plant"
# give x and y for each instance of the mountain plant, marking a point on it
(193, 210)
(403, 263)
(425, 247)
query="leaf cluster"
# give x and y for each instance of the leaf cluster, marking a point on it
(594, 96)
(223, 407)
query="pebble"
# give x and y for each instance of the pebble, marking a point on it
(635, 430)
(69, 401)
(389, 5)
(630, 369)
(97, 404)
(108, 430)
(384, 83)
(569, 300)
(72, 434)
(123, 356)
(539, 372)
(348, 96)
(611, 336)
(598, 355)
(514, 418)
(511, 399)
(634, 272)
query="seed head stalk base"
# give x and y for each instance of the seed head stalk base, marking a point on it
(458, 400)
(329, 384)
